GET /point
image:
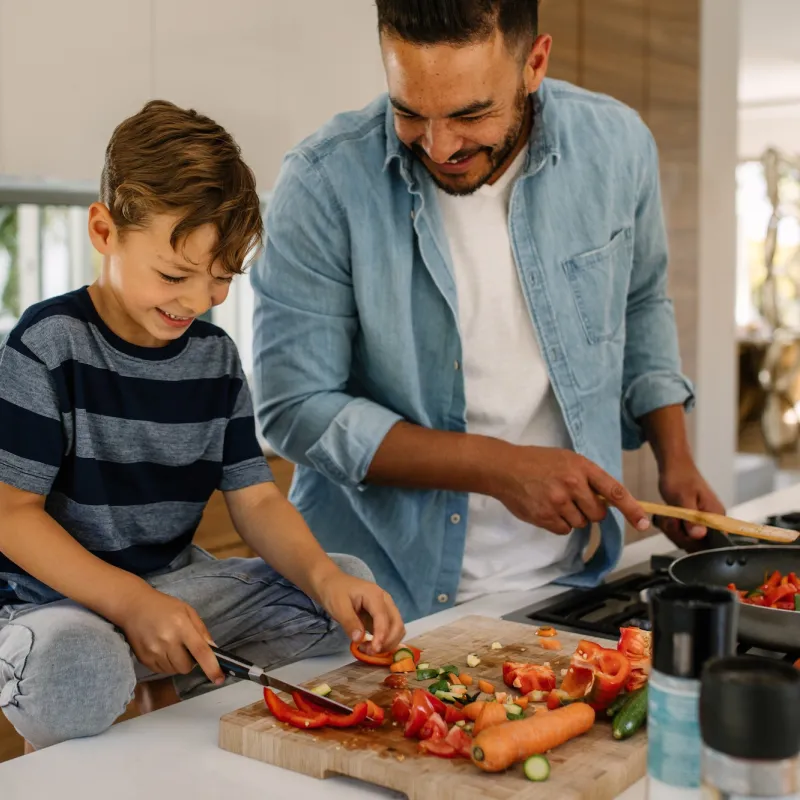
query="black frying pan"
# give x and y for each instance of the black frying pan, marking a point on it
(745, 566)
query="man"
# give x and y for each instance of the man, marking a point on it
(461, 317)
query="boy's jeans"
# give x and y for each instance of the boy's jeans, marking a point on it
(66, 672)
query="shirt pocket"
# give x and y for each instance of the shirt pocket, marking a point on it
(599, 280)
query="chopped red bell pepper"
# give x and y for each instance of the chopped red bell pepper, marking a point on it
(334, 720)
(378, 659)
(596, 676)
(283, 712)
(637, 646)
(778, 593)
(528, 677)
(375, 715)
(773, 581)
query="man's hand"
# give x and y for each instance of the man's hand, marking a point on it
(348, 600)
(168, 636)
(684, 486)
(558, 490)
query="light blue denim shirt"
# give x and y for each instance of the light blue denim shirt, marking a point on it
(356, 322)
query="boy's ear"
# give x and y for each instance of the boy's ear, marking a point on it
(102, 230)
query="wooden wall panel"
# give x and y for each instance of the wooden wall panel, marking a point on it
(561, 19)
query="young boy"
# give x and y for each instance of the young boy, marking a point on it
(120, 414)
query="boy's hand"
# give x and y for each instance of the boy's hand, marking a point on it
(168, 636)
(348, 599)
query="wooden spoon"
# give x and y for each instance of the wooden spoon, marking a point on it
(721, 523)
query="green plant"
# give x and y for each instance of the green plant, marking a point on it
(8, 243)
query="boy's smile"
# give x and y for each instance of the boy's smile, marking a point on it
(150, 293)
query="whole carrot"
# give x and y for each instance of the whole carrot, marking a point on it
(497, 748)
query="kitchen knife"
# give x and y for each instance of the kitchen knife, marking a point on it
(238, 667)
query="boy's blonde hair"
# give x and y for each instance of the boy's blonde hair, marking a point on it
(167, 159)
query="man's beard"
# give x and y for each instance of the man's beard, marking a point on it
(498, 155)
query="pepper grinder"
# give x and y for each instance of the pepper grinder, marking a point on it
(751, 729)
(691, 625)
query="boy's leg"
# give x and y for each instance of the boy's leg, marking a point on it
(249, 609)
(64, 673)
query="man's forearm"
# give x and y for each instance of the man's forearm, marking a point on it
(414, 457)
(665, 430)
(34, 541)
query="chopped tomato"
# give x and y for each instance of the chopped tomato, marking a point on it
(434, 728)
(453, 715)
(434, 703)
(395, 681)
(637, 646)
(528, 677)
(378, 659)
(418, 717)
(401, 707)
(438, 747)
(459, 739)
(283, 712)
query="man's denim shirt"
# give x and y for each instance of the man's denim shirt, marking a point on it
(356, 323)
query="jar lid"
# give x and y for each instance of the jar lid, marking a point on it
(691, 624)
(749, 708)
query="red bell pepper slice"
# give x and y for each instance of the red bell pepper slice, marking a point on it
(773, 581)
(528, 677)
(378, 659)
(283, 712)
(596, 676)
(637, 646)
(778, 593)
(375, 715)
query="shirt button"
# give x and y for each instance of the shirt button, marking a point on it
(443, 598)
(456, 365)
(455, 519)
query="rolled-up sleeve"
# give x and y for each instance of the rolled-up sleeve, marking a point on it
(305, 319)
(652, 376)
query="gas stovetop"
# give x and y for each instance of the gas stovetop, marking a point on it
(602, 611)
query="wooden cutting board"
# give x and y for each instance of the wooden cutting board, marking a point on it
(592, 767)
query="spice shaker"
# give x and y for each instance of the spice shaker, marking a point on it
(750, 729)
(691, 625)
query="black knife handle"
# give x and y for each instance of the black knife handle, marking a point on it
(235, 666)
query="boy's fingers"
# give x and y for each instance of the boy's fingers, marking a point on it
(346, 616)
(375, 605)
(196, 642)
(397, 629)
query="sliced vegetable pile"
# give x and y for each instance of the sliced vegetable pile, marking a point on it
(458, 716)
(777, 591)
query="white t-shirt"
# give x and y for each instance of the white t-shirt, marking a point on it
(508, 390)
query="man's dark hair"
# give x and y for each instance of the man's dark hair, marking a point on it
(459, 22)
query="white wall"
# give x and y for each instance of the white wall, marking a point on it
(715, 424)
(270, 71)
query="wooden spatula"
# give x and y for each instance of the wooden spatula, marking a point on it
(721, 523)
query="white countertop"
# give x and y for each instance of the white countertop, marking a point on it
(172, 754)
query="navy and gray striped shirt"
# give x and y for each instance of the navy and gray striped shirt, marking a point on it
(127, 443)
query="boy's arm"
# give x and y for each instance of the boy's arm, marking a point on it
(157, 626)
(277, 532)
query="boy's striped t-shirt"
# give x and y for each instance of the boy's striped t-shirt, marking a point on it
(127, 443)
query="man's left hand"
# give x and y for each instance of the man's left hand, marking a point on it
(685, 487)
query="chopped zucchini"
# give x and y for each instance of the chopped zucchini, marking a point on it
(426, 674)
(439, 686)
(449, 668)
(323, 690)
(425, 665)
(458, 690)
(513, 711)
(446, 697)
(461, 723)
(497, 646)
(537, 768)
(402, 654)
(473, 660)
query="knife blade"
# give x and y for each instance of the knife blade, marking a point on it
(238, 667)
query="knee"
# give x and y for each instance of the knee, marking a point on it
(354, 566)
(65, 682)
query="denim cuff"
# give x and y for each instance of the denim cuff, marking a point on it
(648, 393)
(346, 449)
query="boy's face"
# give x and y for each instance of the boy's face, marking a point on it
(151, 292)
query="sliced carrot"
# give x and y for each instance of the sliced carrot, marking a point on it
(500, 746)
(465, 679)
(501, 696)
(491, 714)
(550, 644)
(406, 665)
(453, 679)
(472, 710)
(522, 702)
(545, 632)
(486, 687)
